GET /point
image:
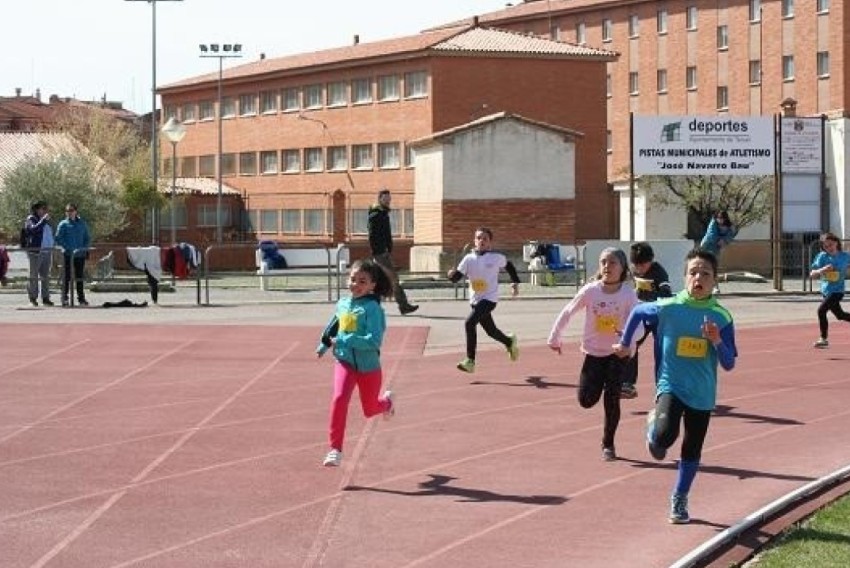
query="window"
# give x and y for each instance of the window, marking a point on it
(415, 84)
(188, 167)
(228, 107)
(581, 33)
(208, 215)
(181, 216)
(268, 162)
(409, 156)
(170, 112)
(361, 157)
(206, 165)
(268, 102)
(290, 99)
(633, 83)
(360, 221)
(787, 8)
(268, 221)
(388, 88)
(661, 80)
(691, 78)
(337, 158)
(755, 72)
(247, 105)
(609, 141)
(291, 221)
(291, 161)
(388, 155)
(361, 91)
(634, 25)
(554, 31)
(755, 10)
(228, 164)
(607, 28)
(691, 18)
(189, 112)
(823, 64)
(787, 67)
(313, 160)
(661, 22)
(608, 85)
(248, 163)
(313, 96)
(337, 94)
(206, 110)
(823, 6)
(722, 98)
(723, 37)
(314, 221)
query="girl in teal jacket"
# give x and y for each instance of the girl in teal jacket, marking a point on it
(354, 334)
(830, 266)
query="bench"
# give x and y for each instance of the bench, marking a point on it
(304, 261)
(543, 269)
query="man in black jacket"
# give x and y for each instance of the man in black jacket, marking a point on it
(381, 243)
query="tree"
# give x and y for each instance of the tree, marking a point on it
(748, 199)
(59, 180)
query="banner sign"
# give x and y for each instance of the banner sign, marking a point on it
(703, 145)
(802, 145)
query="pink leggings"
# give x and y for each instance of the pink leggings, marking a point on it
(369, 385)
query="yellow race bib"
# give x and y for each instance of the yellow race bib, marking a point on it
(478, 285)
(831, 276)
(693, 347)
(348, 322)
(643, 284)
(606, 323)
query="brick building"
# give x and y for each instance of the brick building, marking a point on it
(310, 138)
(709, 57)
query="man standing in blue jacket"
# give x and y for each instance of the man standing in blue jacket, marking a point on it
(72, 235)
(39, 246)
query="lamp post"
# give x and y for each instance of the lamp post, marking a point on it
(175, 132)
(154, 145)
(222, 52)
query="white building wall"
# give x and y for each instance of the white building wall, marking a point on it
(837, 174)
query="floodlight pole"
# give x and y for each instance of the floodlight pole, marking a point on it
(229, 51)
(154, 141)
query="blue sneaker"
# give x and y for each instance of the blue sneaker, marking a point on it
(655, 450)
(679, 509)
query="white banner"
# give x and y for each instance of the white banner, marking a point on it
(802, 147)
(703, 145)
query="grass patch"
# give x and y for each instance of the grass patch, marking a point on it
(822, 541)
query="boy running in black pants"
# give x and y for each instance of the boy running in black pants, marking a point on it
(651, 283)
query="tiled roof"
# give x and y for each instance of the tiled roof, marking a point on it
(489, 119)
(15, 147)
(456, 40)
(200, 186)
(527, 9)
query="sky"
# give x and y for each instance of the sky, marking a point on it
(90, 48)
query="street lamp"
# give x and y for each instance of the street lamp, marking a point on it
(175, 132)
(222, 52)
(154, 145)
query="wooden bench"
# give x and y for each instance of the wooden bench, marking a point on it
(304, 261)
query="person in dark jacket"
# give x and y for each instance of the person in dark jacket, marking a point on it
(381, 244)
(72, 234)
(39, 245)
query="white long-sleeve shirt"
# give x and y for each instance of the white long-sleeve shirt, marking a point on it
(605, 315)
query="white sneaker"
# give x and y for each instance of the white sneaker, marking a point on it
(389, 396)
(333, 459)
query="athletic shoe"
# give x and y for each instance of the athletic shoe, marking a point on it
(82, 303)
(467, 365)
(628, 390)
(821, 343)
(408, 309)
(390, 412)
(679, 509)
(47, 303)
(608, 454)
(655, 451)
(513, 348)
(333, 459)
(34, 303)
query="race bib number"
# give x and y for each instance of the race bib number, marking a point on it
(692, 347)
(348, 322)
(606, 324)
(831, 276)
(643, 284)
(478, 285)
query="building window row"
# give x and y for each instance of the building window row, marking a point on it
(320, 221)
(337, 94)
(357, 157)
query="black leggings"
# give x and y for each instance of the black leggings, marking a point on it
(482, 313)
(831, 303)
(603, 375)
(669, 412)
